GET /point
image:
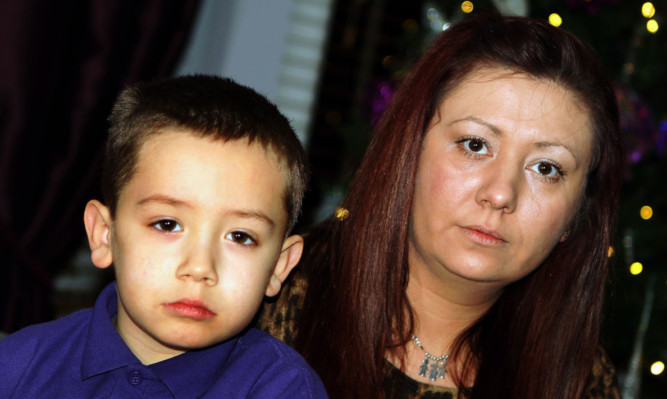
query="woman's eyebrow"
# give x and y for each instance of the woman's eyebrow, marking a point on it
(493, 128)
(497, 132)
(543, 144)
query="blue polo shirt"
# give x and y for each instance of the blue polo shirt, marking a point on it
(82, 356)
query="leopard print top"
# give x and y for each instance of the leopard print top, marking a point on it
(278, 318)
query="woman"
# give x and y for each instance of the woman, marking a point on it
(478, 229)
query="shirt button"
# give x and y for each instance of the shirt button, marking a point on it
(135, 378)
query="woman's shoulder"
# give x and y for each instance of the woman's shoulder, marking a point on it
(278, 316)
(602, 382)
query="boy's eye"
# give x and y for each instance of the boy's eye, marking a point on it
(240, 237)
(167, 225)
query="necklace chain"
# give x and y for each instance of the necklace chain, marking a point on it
(435, 370)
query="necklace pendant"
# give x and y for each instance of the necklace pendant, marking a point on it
(434, 371)
(437, 370)
(442, 369)
(423, 367)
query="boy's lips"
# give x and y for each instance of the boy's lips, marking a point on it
(190, 308)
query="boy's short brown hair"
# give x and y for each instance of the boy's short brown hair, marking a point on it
(206, 106)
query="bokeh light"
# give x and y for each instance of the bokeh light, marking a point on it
(467, 7)
(648, 10)
(646, 212)
(662, 125)
(342, 213)
(555, 20)
(410, 26)
(652, 26)
(610, 252)
(636, 268)
(432, 14)
(657, 368)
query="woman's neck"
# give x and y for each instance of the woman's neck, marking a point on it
(443, 306)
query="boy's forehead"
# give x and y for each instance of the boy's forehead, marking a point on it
(181, 153)
(212, 139)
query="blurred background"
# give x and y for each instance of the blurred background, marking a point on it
(331, 66)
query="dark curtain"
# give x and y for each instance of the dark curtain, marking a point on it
(61, 65)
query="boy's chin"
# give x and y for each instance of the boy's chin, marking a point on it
(191, 342)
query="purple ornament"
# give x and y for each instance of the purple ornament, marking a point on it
(642, 136)
(380, 94)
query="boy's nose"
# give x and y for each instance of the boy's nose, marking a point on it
(199, 266)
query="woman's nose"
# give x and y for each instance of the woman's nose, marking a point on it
(499, 187)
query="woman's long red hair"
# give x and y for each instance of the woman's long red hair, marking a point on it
(539, 339)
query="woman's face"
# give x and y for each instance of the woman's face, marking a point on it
(502, 168)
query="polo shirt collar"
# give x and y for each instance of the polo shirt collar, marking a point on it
(191, 374)
(187, 375)
(105, 350)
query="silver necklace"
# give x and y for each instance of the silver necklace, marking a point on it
(435, 370)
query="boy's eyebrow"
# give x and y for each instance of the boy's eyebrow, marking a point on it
(163, 199)
(253, 214)
(242, 213)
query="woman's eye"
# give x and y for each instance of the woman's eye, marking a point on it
(546, 169)
(240, 237)
(168, 225)
(476, 146)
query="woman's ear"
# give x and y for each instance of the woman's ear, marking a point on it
(289, 257)
(97, 220)
(565, 235)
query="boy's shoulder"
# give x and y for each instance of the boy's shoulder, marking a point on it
(38, 337)
(265, 367)
(42, 347)
(271, 348)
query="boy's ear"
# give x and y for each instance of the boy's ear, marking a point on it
(289, 257)
(97, 220)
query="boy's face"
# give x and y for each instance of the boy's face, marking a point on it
(196, 242)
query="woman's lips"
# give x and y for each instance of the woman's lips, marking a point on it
(190, 308)
(483, 236)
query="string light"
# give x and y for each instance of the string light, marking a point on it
(555, 20)
(657, 368)
(652, 26)
(610, 252)
(636, 268)
(646, 212)
(467, 7)
(648, 10)
(342, 213)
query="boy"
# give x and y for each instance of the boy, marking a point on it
(203, 181)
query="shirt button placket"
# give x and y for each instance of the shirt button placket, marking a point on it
(135, 377)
